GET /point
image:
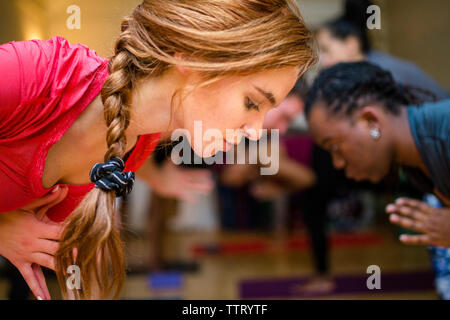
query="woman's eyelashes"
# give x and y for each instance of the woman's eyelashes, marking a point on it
(250, 105)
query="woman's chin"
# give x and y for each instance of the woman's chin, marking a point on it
(206, 153)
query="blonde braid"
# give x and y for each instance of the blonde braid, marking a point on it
(91, 229)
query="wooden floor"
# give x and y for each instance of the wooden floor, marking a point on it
(219, 276)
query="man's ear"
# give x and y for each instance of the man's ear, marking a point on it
(371, 116)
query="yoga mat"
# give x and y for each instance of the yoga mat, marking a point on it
(344, 284)
(165, 280)
(246, 246)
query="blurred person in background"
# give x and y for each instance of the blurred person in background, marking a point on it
(305, 184)
(372, 125)
(171, 184)
(345, 39)
(312, 199)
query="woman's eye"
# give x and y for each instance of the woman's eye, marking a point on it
(250, 105)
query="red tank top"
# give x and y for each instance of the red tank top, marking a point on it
(44, 87)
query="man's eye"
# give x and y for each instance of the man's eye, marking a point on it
(250, 105)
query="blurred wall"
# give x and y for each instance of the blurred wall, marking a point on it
(419, 30)
(316, 12)
(416, 30)
(42, 19)
(10, 28)
(100, 21)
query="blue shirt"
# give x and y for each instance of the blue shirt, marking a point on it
(430, 128)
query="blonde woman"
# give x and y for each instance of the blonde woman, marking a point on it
(75, 126)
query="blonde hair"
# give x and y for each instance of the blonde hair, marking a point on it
(218, 38)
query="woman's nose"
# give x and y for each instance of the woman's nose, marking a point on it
(252, 133)
(253, 130)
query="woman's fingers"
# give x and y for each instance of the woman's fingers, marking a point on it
(412, 213)
(407, 223)
(39, 275)
(196, 174)
(33, 283)
(406, 210)
(50, 231)
(43, 259)
(188, 197)
(46, 246)
(59, 197)
(199, 187)
(415, 204)
(198, 181)
(48, 198)
(421, 239)
(391, 208)
(197, 177)
(75, 254)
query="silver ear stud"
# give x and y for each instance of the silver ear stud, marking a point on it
(375, 133)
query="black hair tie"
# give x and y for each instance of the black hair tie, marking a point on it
(108, 176)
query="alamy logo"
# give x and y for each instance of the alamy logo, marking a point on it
(374, 21)
(263, 149)
(74, 20)
(74, 280)
(374, 281)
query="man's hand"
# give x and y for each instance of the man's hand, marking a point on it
(432, 223)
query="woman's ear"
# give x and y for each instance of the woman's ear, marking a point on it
(371, 116)
(182, 69)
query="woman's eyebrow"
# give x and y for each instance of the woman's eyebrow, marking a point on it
(268, 95)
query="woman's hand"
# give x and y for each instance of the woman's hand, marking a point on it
(183, 183)
(28, 239)
(174, 181)
(266, 190)
(238, 175)
(432, 223)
